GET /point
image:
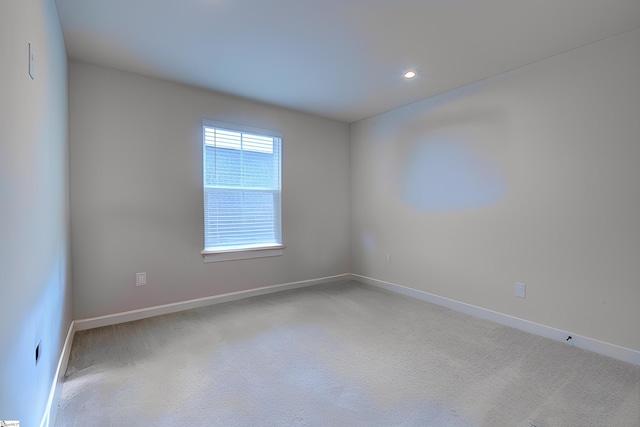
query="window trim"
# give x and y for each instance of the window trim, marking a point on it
(240, 252)
(243, 252)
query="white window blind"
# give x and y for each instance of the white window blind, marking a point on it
(242, 208)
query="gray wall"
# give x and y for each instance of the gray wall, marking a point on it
(35, 287)
(136, 193)
(531, 176)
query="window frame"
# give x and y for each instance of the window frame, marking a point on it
(238, 252)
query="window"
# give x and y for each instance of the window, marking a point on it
(242, 207)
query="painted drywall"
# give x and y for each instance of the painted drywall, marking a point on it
(35, 287)
(136, 193)
(531, 176)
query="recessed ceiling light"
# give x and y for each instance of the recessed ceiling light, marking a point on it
(409, 74)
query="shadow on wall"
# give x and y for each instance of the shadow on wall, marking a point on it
(452, 163)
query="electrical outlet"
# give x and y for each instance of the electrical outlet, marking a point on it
(388, 258)
(141, 279)
(521, 290)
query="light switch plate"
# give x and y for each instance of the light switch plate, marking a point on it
(32, 63)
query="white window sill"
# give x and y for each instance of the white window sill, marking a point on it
(238, 253)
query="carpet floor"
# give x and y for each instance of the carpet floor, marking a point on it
(340, 354)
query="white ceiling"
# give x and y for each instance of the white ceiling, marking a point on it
(341, 59)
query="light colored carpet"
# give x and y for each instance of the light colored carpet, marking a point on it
(342, 354)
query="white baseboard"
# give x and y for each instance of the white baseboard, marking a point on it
(59, 375)
(143, 313)
(586, 343)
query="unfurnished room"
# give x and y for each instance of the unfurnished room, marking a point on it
(320, 213)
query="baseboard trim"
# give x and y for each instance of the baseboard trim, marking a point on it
(586, 343)
(143, 313)
(61, 369)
